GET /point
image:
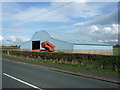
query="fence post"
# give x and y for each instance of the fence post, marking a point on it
(8, 53)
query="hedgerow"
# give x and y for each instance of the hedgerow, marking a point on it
(100, 61)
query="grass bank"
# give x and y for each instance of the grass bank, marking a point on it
(116, 51)
(9, 48)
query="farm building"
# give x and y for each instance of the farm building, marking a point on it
(65, 46)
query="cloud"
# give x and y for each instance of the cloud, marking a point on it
(34, 15)
(0, 12)
(15, 40)
(106, 41)
(112, 41)
(30, 19)
(105, 30)
(9, 10)
(77, 9)
(60, 1)
(1, 38)
(96, 32)
(108, 19)
(63, 27)
(106, 33)
(14, 12)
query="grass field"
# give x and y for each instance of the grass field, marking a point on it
(10, 48)
(116, 51)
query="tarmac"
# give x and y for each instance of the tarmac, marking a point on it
(113, 78)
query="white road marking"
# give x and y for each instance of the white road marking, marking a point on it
(22, 81)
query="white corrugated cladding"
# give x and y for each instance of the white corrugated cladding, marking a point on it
(44, 36)
(64, 45)
(26, 45)
(79, 47)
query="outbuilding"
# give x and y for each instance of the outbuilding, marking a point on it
(65, 46)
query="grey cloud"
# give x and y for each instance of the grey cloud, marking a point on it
(108, 19)
(96, 33)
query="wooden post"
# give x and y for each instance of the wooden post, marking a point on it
(8, 53)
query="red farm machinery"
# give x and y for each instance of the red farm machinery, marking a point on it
(48, 47)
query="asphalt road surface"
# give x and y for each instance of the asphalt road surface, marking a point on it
(20, 75)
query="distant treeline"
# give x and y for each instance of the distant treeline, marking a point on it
(117, 46)
(9, 47)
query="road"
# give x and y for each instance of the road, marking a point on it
(20, 75)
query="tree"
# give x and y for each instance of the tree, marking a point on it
(117, 46)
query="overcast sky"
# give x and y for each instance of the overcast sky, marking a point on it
(93, 21)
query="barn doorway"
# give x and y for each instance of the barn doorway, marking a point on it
(35, 45)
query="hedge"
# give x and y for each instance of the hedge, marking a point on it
(101, 61)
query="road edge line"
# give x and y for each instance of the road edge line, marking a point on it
(26, 83)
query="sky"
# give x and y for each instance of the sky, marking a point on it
(92, 22)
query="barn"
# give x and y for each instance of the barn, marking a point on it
(65, 46)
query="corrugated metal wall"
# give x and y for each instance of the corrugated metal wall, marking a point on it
(44, 36)
(93, 49)
(26, 45)
(76, 47)
(66, 46)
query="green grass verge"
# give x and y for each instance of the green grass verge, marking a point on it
(10, 49)
(116, 51)
(90, 68)
(83, 67)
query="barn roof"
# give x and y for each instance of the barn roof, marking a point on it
(71, 38)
